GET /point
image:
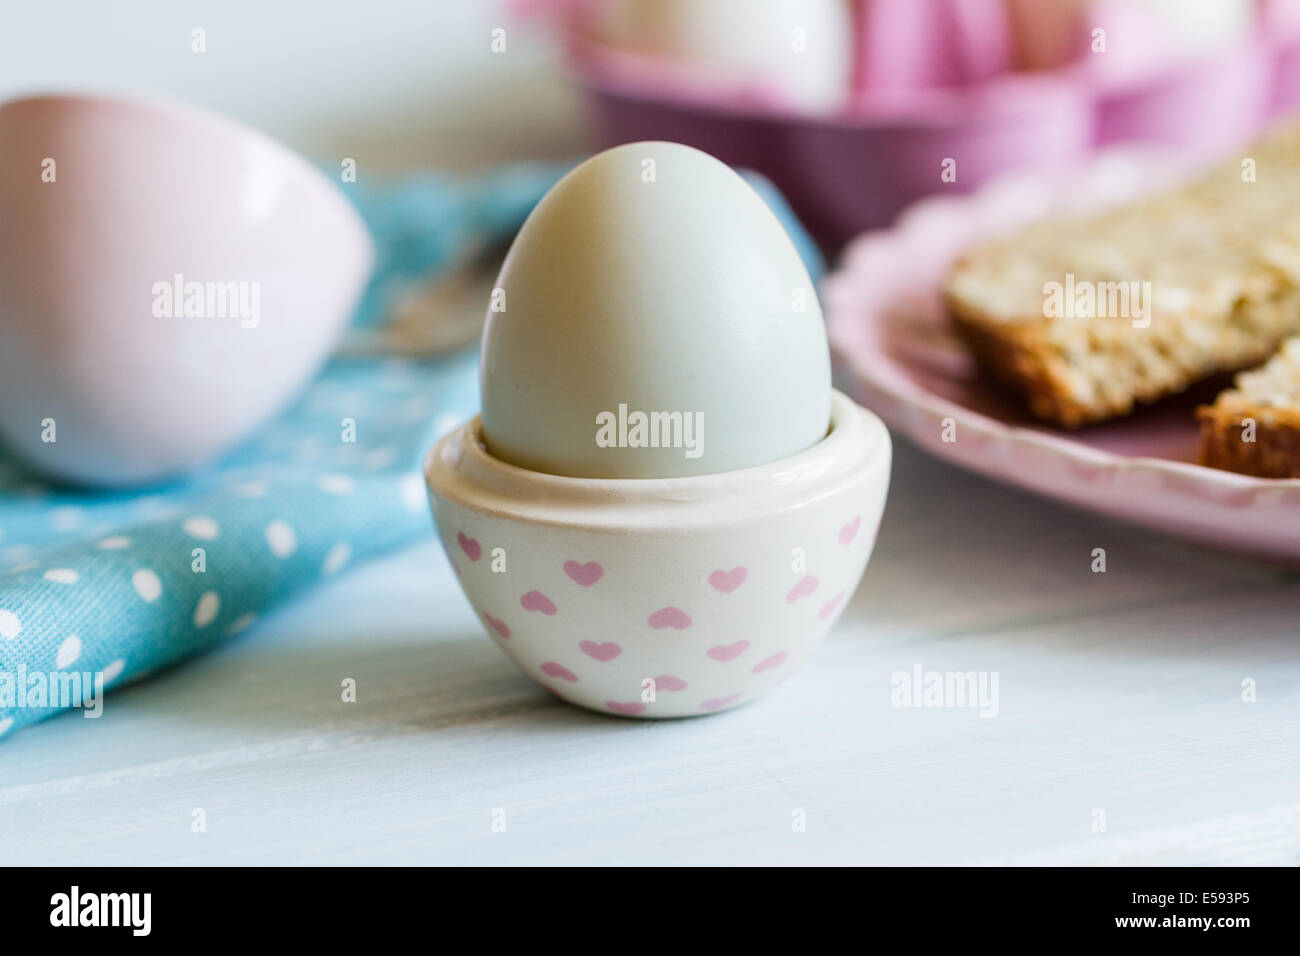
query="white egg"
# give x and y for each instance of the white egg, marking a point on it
(652, 320)
(802, 48)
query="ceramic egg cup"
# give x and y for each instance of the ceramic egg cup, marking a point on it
(667, 597)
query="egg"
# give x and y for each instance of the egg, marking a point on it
(801, 49)
(652, 320)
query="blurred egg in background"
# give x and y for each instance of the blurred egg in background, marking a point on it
(797, 50)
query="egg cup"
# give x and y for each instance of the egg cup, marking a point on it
(663, 597)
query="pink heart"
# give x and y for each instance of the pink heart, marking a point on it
(628, 710)
(584, 574)
(728, 581)
(850, 530)
(829, 607)
(602, 652)
(717, 703)
(537, 601)
(498, 626)
(669, 682)
(728, 652)
(670, 617)
(559, 670)
(473, 550)
(767, 663)
(807, 585)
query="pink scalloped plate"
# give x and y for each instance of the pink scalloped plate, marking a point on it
(895, 351)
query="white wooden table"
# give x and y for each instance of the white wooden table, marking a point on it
(1119, 693)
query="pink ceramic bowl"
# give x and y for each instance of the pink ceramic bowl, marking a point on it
(854, 168)
(110, 208)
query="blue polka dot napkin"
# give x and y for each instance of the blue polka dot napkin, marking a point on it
(101, 588)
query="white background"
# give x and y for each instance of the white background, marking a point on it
(392, 83)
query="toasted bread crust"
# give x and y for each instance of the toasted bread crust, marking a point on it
(1254, 427)
(1214, 268)
(1274, 451)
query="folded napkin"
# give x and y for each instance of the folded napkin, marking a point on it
(101, 588)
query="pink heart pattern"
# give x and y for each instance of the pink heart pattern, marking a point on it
(807, 585)
(584, 574)
(537, 601)
(850, 530)
(552, 669)
(767, 663)
(473, 550)
(728, 652)
(601, 652)
(672, 617)
(717, 703)
(731, 676)
(630, 709)
(829, 607)
(728, 581)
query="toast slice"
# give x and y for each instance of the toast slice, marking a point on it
(1087, 317)
(1254, 428)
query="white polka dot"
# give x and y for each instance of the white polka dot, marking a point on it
(24, 567)
(414, 409)
(68, 653)
(147, 585)
(155, 508)
(337, 484)
(251, 489)
(413, 493)
(61, 575)
(113, 670)
(201, 527)
(282, 540)
(307, 448)
(66, 518)
(338, 556)
(5, 725)
(16, 552)
(241, 623)
(206, 611)
(381, 458)
(116, 543)
(9, 624)
(446, 422)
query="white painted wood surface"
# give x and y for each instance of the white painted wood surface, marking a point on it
(1119, 692)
